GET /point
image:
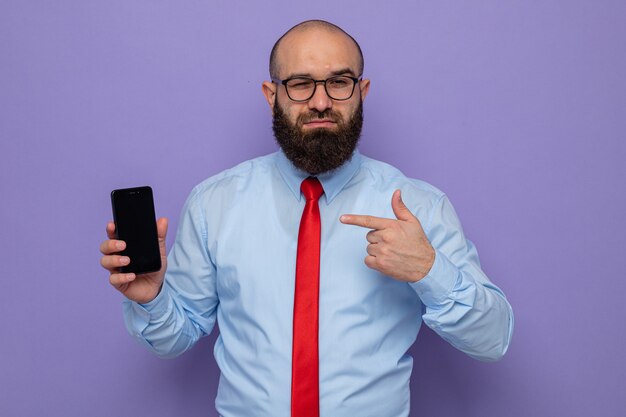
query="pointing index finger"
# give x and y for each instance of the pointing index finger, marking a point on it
(370, 222)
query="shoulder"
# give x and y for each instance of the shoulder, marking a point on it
(385, 175)
(235, 178)
(378, 180)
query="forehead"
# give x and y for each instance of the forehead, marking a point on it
(317, 53)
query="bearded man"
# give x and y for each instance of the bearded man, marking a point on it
(318, 263)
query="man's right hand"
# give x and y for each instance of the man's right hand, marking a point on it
(141, 288)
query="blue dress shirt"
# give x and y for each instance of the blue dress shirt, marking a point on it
(234, 261)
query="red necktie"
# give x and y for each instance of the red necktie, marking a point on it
(305, 367)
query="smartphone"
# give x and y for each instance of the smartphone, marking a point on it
(135, 224)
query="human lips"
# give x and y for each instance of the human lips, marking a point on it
(319, 123)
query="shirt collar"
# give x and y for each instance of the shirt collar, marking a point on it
(333, 181)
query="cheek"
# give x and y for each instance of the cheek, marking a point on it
(346, 112)
(291, 110)
(294, 112)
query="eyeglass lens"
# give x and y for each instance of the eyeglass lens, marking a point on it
(337, 88)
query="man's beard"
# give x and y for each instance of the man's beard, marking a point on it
(319, 150)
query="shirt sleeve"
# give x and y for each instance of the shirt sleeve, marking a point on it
(185, 309)
(461, 304)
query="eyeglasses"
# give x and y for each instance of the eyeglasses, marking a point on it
(303, 88)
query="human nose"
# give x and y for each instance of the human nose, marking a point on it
(320, 100)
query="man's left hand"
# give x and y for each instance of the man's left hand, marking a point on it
(397, 247)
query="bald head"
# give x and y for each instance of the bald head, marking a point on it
(308, 27)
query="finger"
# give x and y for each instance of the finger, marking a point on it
(112, 262)
(118, 280)
(401, 211)
(162, 224)
(370, 222)
(373, 236)
(111, 230)
(370, 261)
(373, 249)
(162, 227)
(109, 247)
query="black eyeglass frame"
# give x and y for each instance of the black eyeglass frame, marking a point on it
(355, 80)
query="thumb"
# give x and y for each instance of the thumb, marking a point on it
(162, 231)
(399, 208)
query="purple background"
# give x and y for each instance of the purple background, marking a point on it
(517, 109)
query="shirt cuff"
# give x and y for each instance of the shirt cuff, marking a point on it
(138, 316)
(437, 286)
(160, 305)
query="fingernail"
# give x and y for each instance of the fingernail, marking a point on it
(120, 245)
(130, 277)
(124, 260)
(343, 218)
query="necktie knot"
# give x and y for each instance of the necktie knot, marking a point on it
(311, 188)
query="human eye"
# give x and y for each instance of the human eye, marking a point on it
(300, 83)
(340, 82)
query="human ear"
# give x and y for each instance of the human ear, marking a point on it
(364, 85)
(269, 91)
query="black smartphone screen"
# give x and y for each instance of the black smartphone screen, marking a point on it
(135, 223)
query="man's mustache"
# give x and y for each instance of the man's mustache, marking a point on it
(325, 115)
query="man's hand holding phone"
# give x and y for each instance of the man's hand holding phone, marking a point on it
(141, 288)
